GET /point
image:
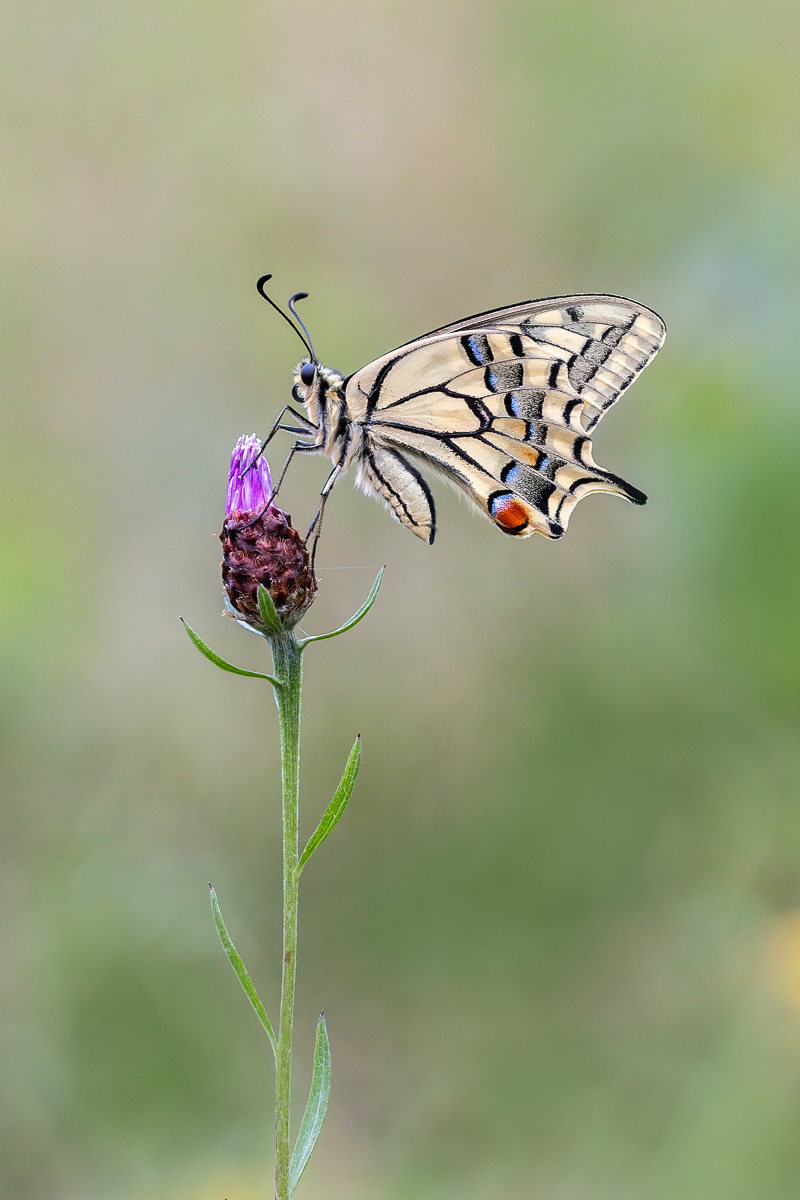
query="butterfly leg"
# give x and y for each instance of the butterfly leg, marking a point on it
(297, 448)
(308, 427)
(316, 525)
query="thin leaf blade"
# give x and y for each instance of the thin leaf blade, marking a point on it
(359, 616)
(222, 663)
(241, 971)
(316, 1107)
(338, 804)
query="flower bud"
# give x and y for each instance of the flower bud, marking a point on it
(261, 546)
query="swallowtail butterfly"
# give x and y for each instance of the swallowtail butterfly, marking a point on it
(503, 404)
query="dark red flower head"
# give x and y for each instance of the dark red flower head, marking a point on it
(260, 545)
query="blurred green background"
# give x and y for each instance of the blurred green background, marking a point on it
(557, 937)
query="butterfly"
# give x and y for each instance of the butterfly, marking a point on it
(502, 404)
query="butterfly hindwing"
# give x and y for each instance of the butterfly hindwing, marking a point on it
(503, 404)
(385, 472)
(477, 467)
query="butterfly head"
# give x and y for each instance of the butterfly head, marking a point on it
(321, 390)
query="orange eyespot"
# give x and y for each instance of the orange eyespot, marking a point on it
(509, 513)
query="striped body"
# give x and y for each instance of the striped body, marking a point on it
(503, 404)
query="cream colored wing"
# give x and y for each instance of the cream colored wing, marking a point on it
(385, 473)
(503, 403)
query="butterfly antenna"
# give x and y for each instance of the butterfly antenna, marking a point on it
(260, 289)
(296, 315)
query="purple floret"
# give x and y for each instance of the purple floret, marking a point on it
(249, 492)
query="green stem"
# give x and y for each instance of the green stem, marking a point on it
(287, 655)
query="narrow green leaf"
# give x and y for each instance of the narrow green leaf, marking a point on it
(359, 616)
(213, 657)
(268, 611)
(241, 971)
(337, 805)
(315, 1109)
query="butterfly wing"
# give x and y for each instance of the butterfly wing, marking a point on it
(503, 404)
(386, 473)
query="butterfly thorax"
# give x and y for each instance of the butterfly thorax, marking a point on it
(324, 400)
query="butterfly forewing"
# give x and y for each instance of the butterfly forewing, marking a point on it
(503, 404)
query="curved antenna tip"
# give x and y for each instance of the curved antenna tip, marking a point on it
(261, 291)
(299, 319)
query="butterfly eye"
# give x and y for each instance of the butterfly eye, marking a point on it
(307, 373)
